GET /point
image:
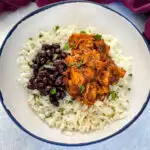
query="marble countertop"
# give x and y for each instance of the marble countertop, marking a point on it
(136, 137)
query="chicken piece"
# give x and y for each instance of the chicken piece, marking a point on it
(91, 58)
(77, 77)
(90, 94)
(70, 60)
(121, 72)
(103, 90)
(85, 44)
(73, 81)
(73, 89)
(76, 39)
(103, 78)
(88, 73)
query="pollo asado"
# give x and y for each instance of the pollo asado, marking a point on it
(90, 68)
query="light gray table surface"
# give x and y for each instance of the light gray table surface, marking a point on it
(136, 137)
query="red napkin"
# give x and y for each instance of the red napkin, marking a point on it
(137, 6)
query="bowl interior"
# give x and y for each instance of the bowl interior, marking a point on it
(83, 14)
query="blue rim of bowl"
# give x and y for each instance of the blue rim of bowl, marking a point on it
(58, 143)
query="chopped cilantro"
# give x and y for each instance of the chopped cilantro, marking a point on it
(129, 89)
(120, 85)
(53, 91)
(29, 64)
(73, 64)
(80, 64)
(82, 88)
(55, 56)
(70, 101)
(61, 109)
(36, 96)
(113, 95)
(40, 35)
(30, 38)
(83, 31)
(66, 46)
(57, 28)
(50, 63)
(97, 37)
(72, 45)
(130, 74)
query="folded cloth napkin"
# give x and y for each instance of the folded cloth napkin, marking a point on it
(137, 6)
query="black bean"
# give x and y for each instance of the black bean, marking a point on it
(60, 68)
(60, 88)
(41, 85)
(50, 82)
(62, 95)
(55, 45)
(57, 50)
(37, 60)
(57, 95)
(49, 52)
(35, 82)
(55, 102)
(34, 66)
(52, 69)
(48, 88)
(59, 81)
(39, 78)
(32, 78)
(42, 60)
(45, 80)
(42, 69)
(35, 72)
(63, 54)
(30, 86)
(57, 62)
(53, 50)
(43, 92)
(46, 46)
(52, 77)
(43, 73)
(42, 53)
(56, 74)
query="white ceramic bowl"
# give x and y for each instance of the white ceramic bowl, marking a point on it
(14, 97)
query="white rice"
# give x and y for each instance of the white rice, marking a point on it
(70, 115)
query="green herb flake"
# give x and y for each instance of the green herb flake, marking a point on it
(50, 63)
(113, 95)
(57, 28)
(129, 89)
(121, 86)
(36, 96)
(29, 64)
(53, 91)
(70, 101)
(30, 38)
(61, 110)
(55, 56)
(72, 45)
(40, 35)
(64, 75)
(66, 46)
(82, 88)
(80, 64)
(73, 64)
(83, 32)
(130, 74)
(98, 37)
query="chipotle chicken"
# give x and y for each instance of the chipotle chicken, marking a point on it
(90, 69)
